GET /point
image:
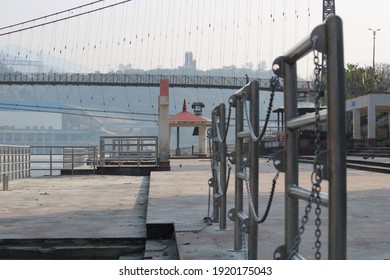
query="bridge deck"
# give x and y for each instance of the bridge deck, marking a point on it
(134, 80)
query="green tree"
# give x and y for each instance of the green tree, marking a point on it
(360, 81)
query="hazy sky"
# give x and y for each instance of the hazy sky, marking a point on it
(219, 32)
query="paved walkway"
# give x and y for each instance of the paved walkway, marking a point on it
(181, 197)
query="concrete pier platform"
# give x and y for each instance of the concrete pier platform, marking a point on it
(95, 209)
(180, 197)
(104, 215)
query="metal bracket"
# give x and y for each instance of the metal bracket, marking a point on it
(232, 157)
(232, 214)
(217, 200)
(279, 161)
(319, 34)
(322, 159)
(280, 253)
(232, 101)
(211, 183)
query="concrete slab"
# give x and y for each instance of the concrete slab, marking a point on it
(88, 206)
(181, 197)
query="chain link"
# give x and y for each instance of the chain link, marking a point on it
(243, 241)
(316, 176)
(220, 139)
(214, 165)
(274, 84)
(250, 198)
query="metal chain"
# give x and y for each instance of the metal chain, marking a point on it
(316, 176)
(206, 219)
(220, 139)
(274, 83)
(163, 248)
(213, 174)
(243, 241)
(250, 198)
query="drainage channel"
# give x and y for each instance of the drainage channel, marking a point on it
(72, 249)
(160, 248)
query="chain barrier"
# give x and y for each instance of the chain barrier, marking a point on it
(213, 174)
(214, 165)
(163, 248)
(214, 121)
(250, 198)
(243, 241)
(274, 83)
(316, 176)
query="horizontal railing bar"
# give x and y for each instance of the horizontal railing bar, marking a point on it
(302, 193)
(243, 89)
(305, 120)
(243, 134)
(303, 47)
(241, 216)
(298, 256)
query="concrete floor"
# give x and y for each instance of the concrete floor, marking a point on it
(89, 206)
(181, 197)
(99, 206)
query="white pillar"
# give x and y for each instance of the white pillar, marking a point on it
(371, 130)
(389, 125)
(202, 140)
(356, 124)
(163, 124)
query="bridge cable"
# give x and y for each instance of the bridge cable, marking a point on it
(78, 114)
(50, 15)
(62, 19)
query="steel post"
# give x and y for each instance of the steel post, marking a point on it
(336, 140)
(291, 154)
(222, 165)
(253, 158)
(239, 151)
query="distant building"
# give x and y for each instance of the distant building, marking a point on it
(189, 61)
(189, 66)
(34, 128)
(29, 120)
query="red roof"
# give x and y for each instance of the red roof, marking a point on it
(186, 117)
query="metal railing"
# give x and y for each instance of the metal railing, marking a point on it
(128, 151)
(219, 182)
(246, 223)
(14, 163)
(326, 38)
(50, 160)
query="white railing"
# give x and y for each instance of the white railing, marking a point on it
(51, 160)
(128, 151)
(14, 163)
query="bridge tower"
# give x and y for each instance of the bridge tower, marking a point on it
(328, 10)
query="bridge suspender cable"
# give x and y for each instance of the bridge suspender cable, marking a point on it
(51, 15)
(61, 19)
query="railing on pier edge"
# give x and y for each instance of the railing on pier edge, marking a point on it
(14, 163)
(135, 151)
(50, 160)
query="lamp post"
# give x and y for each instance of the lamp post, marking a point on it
(373, 47)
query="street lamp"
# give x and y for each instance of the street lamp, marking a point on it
(373, 47)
